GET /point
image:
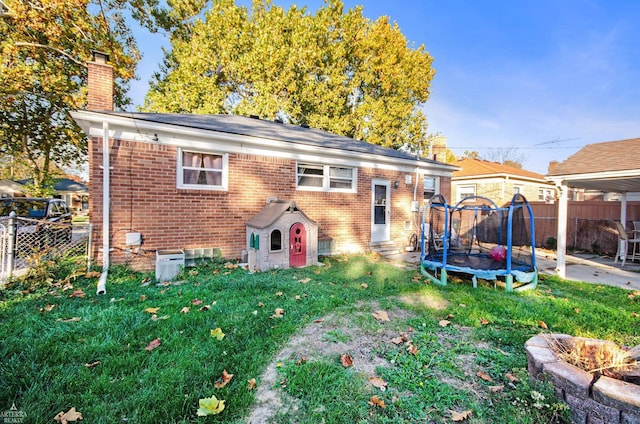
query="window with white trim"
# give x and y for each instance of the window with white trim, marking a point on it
(430, 186)
(202, 171)
(466, 191)
(316, 177)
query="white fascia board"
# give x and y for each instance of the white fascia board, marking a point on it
(126, 128)
(594, 176)
(501, 177)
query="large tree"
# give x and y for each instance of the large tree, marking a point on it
(44, 45)
(334, 70)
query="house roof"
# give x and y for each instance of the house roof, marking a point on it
(271, 212)
(62, 185)
(259, 128)
(482, 168)
(608, 166)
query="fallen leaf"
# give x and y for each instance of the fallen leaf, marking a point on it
(196, 302)
(496, 389)
(67, 417)
(251, 384)
(462, 305)
(279, 293)
(512, 378)
(185, 310)
(92, 364)
(92, 274)
(278, 313)
(260, 304)
(460, 416)
(379, 383)
(143, 297)
(77, 293)
(48, 308)
(412, 349)
(210, 406)
(230, 265)
(543, 325)
(152, 345)
(304, 280)
(73, 319)
(380, 316)
(318, 320)
(484, 321)
(376, 401)
(223, 380)
(152, 310)
(444, 323)
(398, 340)
(364, 285)
(449, 316)
(217, 333)
(576, 310)
(635, 314)
(483, 375)
(298, 297)
(159, 318)
(346, 360)
(145, 282)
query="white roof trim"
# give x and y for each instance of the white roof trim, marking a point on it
(126, 128)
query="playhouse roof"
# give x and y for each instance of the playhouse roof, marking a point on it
(272, 212)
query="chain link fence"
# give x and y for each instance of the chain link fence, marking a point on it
(25, 242)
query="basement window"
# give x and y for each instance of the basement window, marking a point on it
(202, 171)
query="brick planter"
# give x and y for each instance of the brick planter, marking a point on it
(591, 400)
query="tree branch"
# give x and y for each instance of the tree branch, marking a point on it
(44, 46)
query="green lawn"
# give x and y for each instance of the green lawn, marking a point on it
(64, 347)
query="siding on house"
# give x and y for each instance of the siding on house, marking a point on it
(499, 182)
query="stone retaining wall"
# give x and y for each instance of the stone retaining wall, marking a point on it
(591, 400)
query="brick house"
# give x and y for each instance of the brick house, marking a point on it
(498, 182)
(181, 181)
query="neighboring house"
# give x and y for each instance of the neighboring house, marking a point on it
(608, 167)
(74, 193)
(10, 188)
(498, 182)
(180, 181)
(608, 161)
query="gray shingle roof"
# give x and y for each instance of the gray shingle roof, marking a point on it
(254, 127)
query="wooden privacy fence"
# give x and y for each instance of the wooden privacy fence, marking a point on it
(589, 224)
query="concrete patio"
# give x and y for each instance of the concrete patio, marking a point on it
(585, 267)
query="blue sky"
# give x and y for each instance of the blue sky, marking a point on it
(545, 77)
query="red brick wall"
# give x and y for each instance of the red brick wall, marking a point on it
(145, 199)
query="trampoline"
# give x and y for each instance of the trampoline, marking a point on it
(478, 238)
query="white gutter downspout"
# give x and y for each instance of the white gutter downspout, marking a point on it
(102, 281)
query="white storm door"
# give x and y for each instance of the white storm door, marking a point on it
(380, 204)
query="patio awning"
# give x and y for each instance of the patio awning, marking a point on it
(612, 166)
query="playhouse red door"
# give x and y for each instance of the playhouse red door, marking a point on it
(297, 245)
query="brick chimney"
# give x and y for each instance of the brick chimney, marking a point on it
(439, 148)
(552, 166)
(100, 83)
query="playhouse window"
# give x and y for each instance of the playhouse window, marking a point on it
(203, 171)
(275, 241)
(326, 178)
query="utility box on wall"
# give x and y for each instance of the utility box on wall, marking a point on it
(168, 264)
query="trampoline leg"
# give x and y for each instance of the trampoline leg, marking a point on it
(475, 282)
(443, 276)
(509, 283)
